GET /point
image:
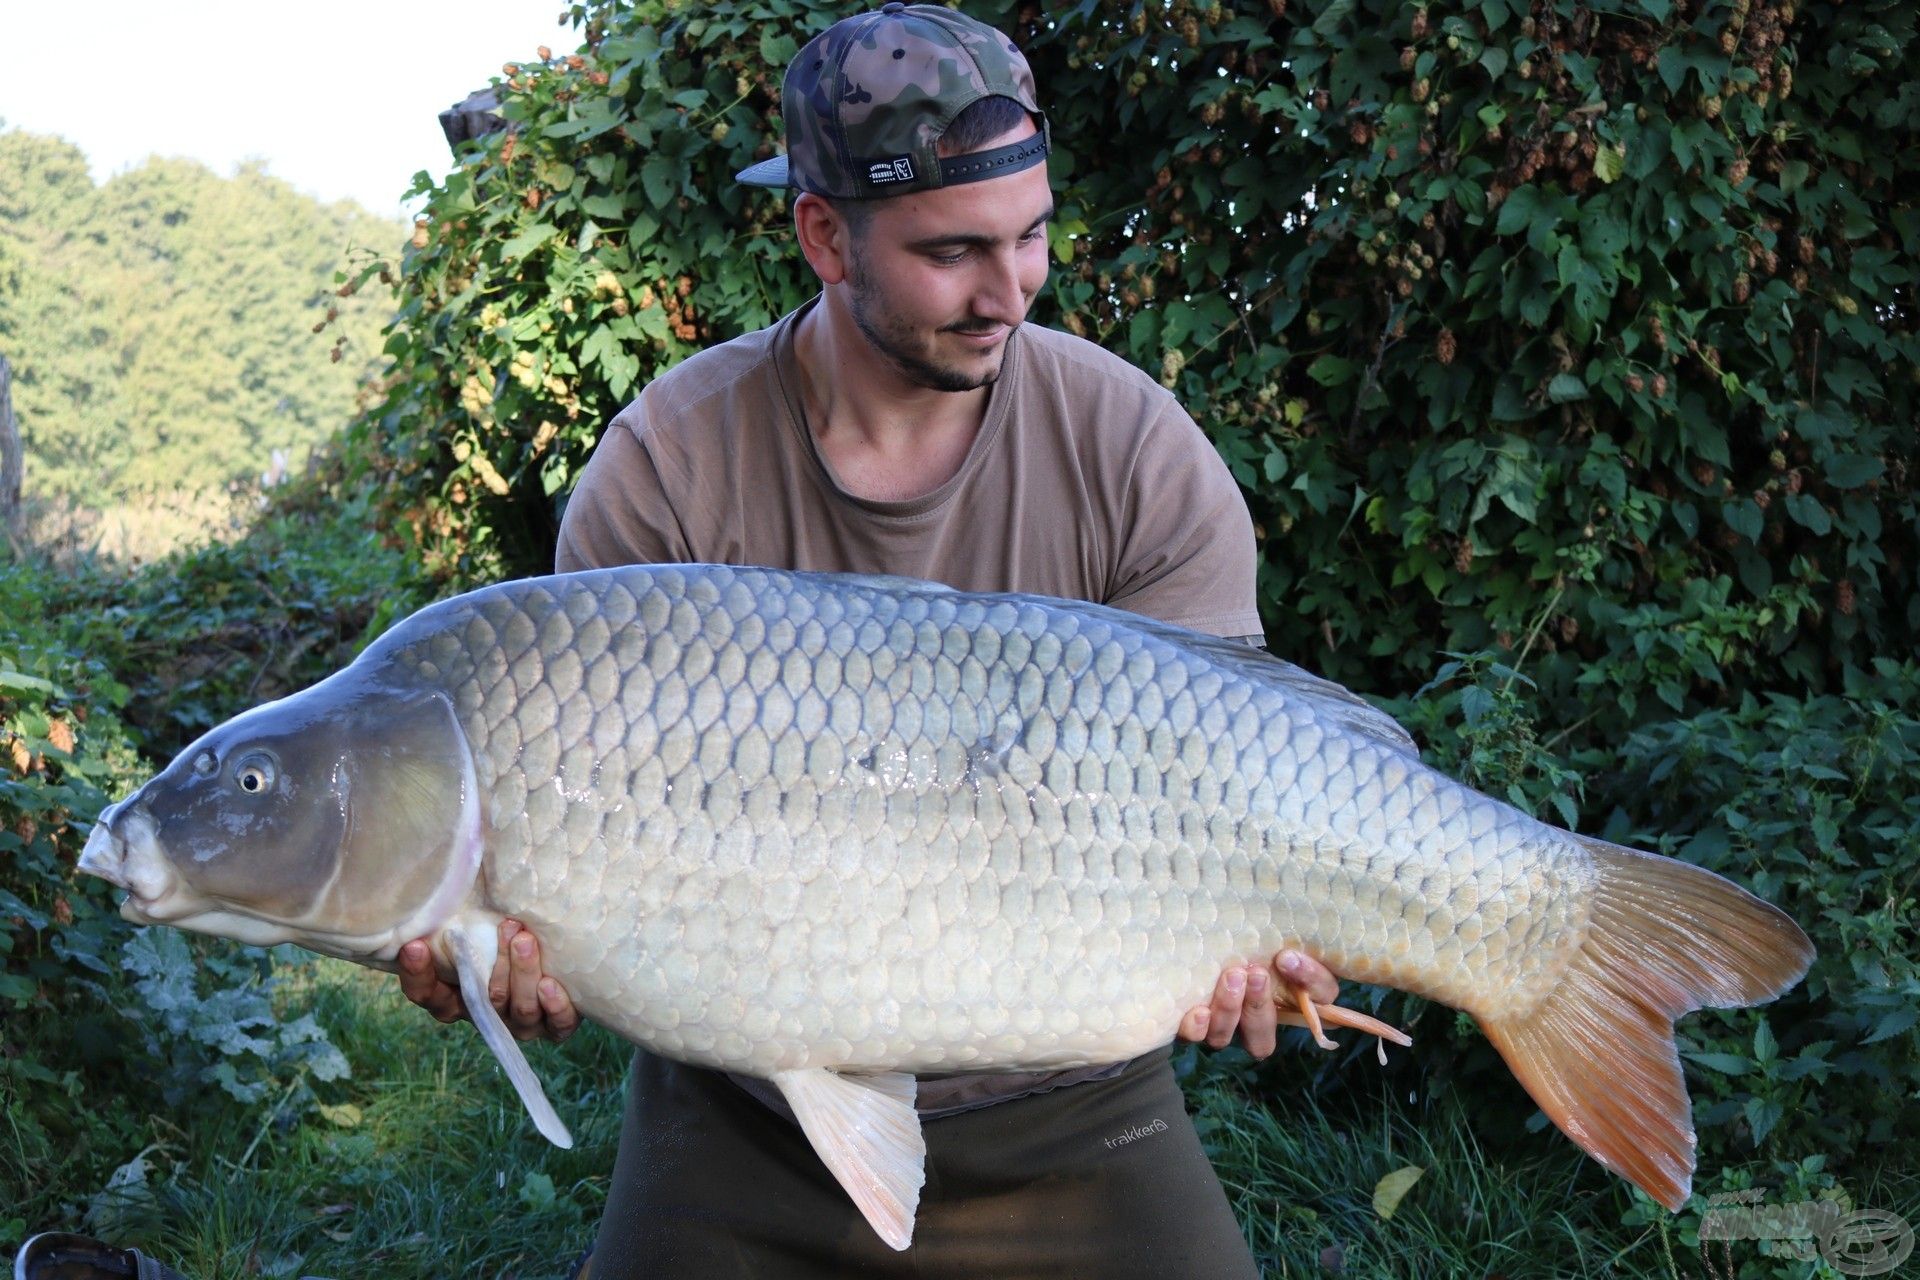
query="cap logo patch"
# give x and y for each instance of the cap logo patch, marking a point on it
(899, 169)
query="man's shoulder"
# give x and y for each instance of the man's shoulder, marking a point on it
(1058, 355)
(676, 396)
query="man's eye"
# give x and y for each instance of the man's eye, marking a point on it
(948, 259)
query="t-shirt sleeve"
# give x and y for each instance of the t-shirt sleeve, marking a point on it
(620, 511)
(1187, 555)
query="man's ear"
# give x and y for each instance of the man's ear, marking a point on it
(825, 238)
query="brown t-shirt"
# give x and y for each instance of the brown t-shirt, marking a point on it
(1086, 480)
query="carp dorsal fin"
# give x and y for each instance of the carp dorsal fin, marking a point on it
(474, 946)
(1336, 702)
(867, 1133)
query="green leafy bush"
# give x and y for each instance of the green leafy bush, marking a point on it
(97, 667)
(1575, 341)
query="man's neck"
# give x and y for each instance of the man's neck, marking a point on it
(883, 437)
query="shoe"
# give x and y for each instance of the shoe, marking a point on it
(60, 1255)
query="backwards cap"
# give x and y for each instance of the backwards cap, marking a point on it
(868, 98)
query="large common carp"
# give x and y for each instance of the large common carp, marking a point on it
(834, 830)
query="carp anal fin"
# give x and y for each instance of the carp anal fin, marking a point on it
(868, 1135)
(474, 948)
(1597, 1051)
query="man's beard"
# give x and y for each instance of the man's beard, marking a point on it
(892, 338)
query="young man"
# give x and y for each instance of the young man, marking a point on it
(907, 421)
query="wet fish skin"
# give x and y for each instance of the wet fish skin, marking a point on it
(813, 826)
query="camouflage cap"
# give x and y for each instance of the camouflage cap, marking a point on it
(868, 99)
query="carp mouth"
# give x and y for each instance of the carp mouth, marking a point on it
(123, 850)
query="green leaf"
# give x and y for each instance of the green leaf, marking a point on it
(527, 241)
(1893, 1024)
(1332, 371)
(1517, 212)
(1731, 1064)
(1851, 470)
(660, 175)
(1610, 162)
(1743, 517)
(345, 1116)
(1393, 1188)
(776, 47)
(1762, 1115)
(1566, 387)
(1495, 60)
(1807, 512)
(1672, 65)
(1765, 1047)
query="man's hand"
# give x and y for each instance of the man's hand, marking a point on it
(532, 1005)
(1243, 1000)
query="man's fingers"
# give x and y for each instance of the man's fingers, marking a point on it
(1257, 1020)
(523, 985)
(1229, 995)
(562, 1019)
(1298, 969)
(420, 983)
(1194, 1025)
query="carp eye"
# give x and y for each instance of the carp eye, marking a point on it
(254, 775)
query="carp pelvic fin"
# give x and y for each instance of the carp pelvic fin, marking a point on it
(868, 1135)
(474, 947)
(1597, 1052)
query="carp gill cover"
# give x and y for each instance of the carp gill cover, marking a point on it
(978, 833)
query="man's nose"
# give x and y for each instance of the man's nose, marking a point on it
(1000, 295)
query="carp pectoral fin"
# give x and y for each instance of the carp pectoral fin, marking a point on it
(1597, 1051)
(1315, 1017)
(474, 948)
(868, 1135)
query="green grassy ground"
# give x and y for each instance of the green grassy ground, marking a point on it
(423, 1165)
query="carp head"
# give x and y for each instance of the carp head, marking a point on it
(343, 818)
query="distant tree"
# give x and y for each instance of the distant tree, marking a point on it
(170, 328)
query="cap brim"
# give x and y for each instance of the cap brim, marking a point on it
(768, 173)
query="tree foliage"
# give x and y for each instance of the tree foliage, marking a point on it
(1577, 340)
(165, 327)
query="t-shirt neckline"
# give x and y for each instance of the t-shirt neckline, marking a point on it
(786, 375)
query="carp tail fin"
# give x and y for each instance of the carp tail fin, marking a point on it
(1597, 1052)
(474, 947)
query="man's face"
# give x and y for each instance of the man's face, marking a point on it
(940, 279)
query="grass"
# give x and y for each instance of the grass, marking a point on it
(421, 1165)
(1301, 1173)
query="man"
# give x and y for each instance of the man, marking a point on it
(907, 421)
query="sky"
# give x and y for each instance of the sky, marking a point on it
(340, 98)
